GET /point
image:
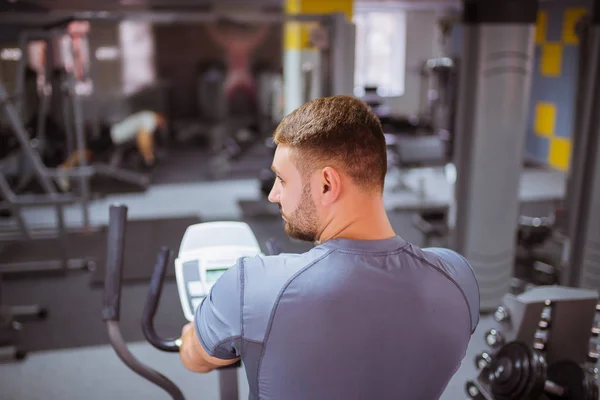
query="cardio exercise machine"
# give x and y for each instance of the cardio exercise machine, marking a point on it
(207, 250)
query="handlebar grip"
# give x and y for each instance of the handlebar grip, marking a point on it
(114, 262)
(156, 285)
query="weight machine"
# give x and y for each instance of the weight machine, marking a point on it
(575, 226)
(19, 230)
(493, 143)
(545, 341)
(543, 344)
(29, 153)
(65, 88)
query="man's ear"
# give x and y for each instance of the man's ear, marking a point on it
(330, 185)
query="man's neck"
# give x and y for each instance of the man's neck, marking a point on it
(359, 220)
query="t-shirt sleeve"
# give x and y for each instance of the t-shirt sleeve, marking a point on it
(218, 318)
(459, 269)
(149, 122)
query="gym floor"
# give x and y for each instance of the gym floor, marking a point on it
(69, 353)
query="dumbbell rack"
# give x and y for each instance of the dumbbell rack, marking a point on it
(542, 345)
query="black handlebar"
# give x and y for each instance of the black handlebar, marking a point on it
(156, 285)
(112, 300)
(114, 262)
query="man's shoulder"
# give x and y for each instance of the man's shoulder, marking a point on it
(264, 280)
(284, 264)
(265, 277)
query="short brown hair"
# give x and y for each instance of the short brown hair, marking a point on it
(340, 131)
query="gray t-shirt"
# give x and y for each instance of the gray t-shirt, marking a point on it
(347, 320)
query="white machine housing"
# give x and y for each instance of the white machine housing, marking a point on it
(207, 250)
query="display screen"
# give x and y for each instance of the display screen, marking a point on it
(213, 274)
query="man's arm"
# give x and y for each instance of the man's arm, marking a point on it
(194, 357)
(213, 340)
(459, 269)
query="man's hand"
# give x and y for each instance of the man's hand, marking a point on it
(186, 328)
(192, 353)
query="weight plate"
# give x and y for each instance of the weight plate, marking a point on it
(571, 377)
(538, 369)
(510, 373)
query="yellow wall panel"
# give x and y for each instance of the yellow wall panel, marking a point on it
(545, 119)
(551, 61)
(541, 28)
(560, 153)
(296, 34)
(319, 7)
(570, 19)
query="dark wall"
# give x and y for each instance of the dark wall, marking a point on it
(9, 38)
(106, 74)
(9, 34)
(180, 49)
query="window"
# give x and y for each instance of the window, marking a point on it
(380, 50)
(107, 53)
(10, 54)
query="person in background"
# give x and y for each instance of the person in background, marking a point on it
(139, 127)
(239, 44)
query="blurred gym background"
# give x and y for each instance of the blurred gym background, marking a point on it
(70, 69)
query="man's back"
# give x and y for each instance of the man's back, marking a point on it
(346, 320)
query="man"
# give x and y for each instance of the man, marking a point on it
(364, 314)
